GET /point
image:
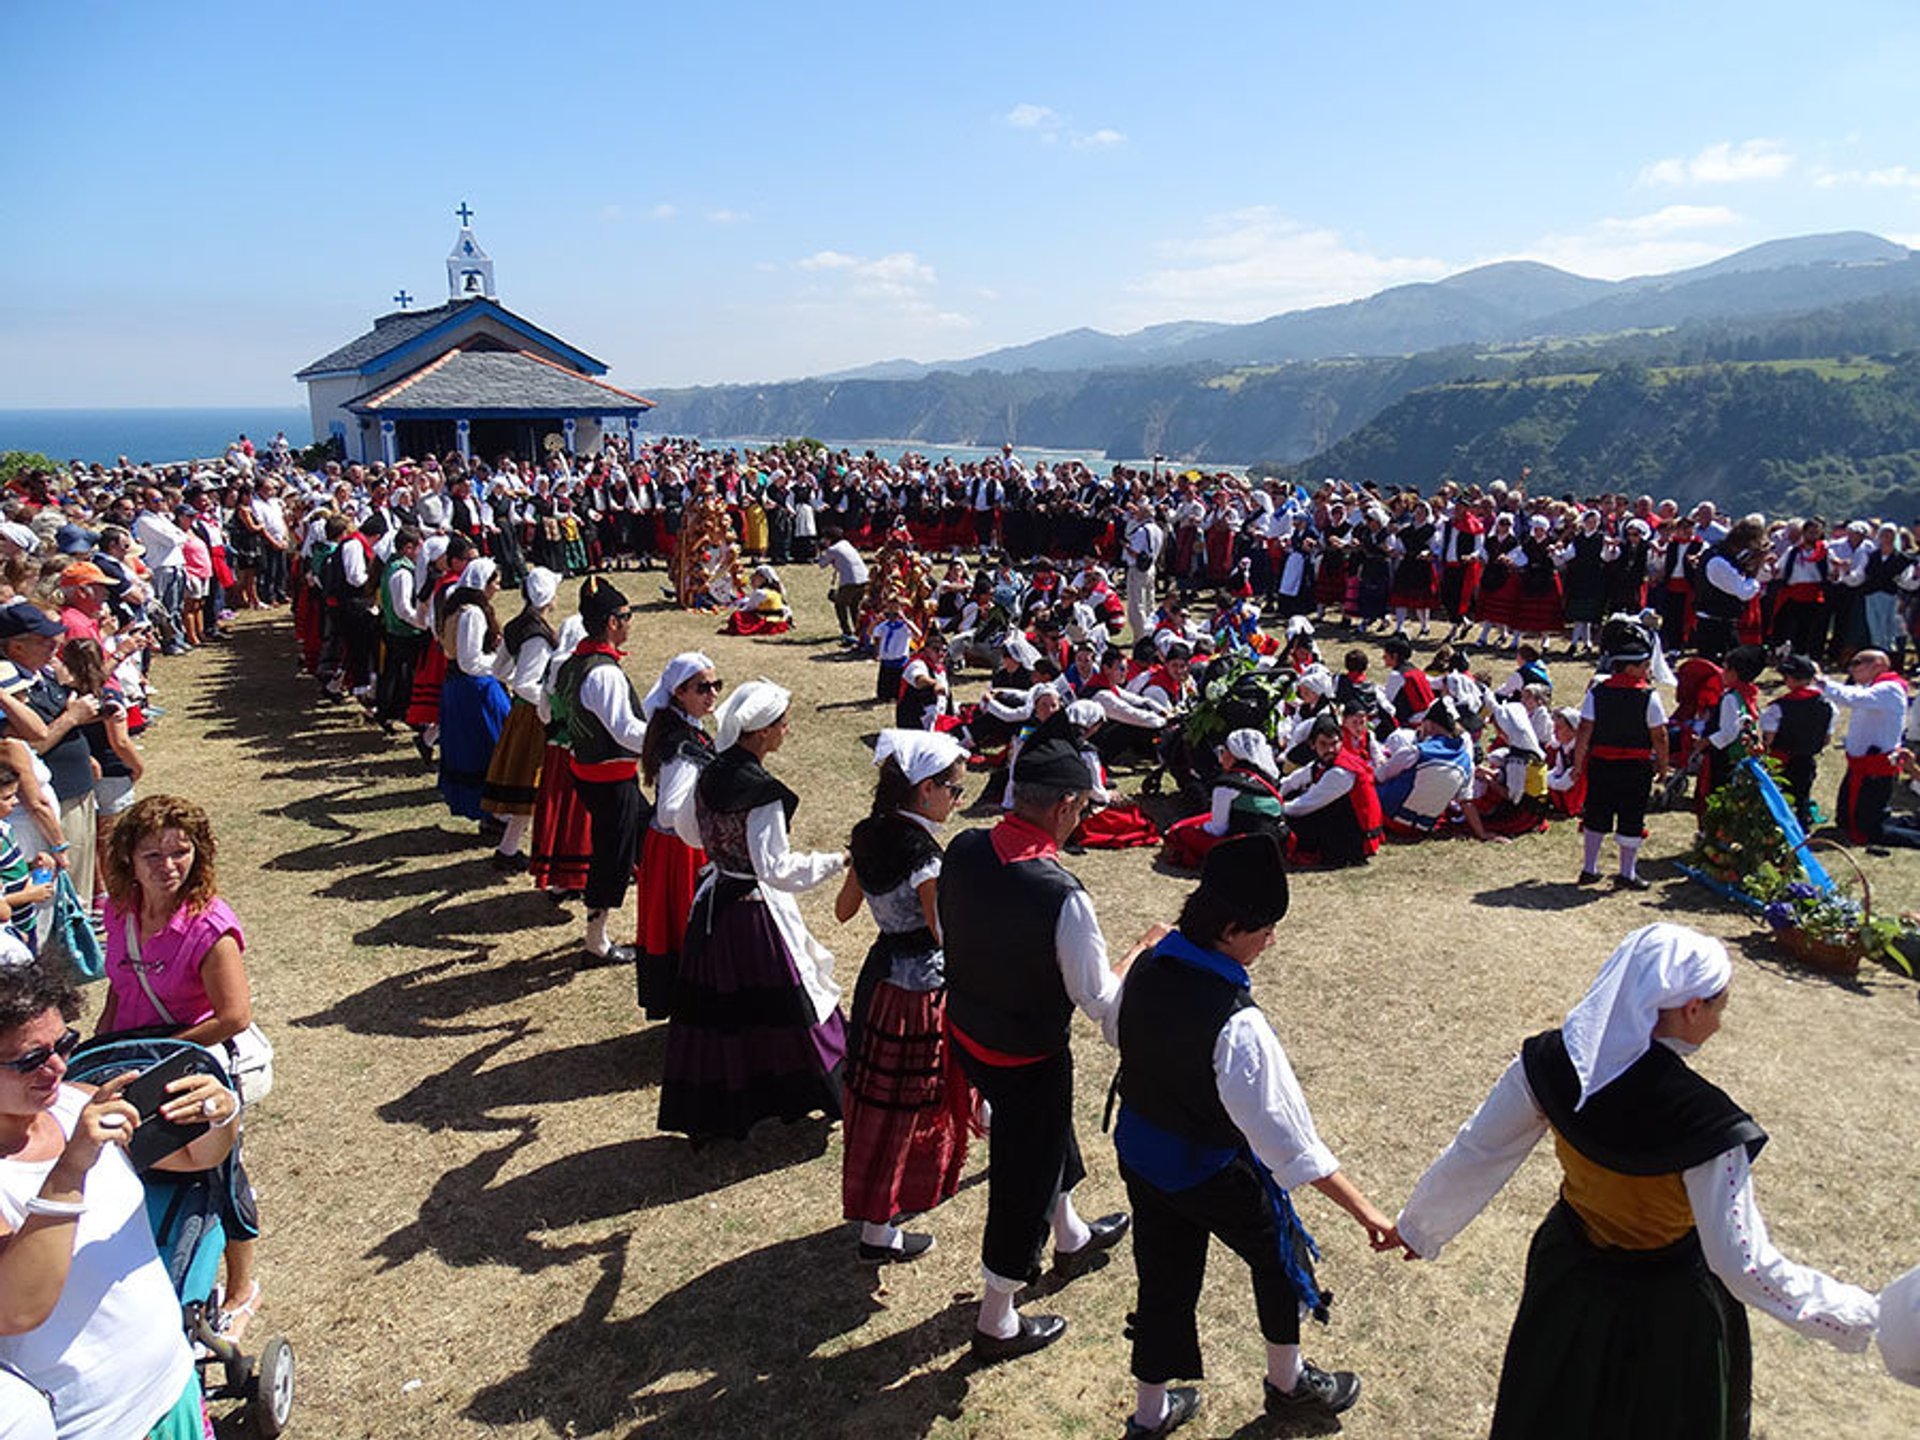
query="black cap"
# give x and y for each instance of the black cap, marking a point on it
(1050, 758)
(1798, 667)
(23, 617)
(1250, 876)
(1627, 641)
(600, 599)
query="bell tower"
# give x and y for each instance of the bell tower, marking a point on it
(469, 270)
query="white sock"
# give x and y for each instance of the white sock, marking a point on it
(431, 735)
(1630, 855)
(885, 1237)
(515, 836)
(1399, 619)
(997, 1316)
(1283, 1366)
(1592, 840)
(1149, 1404)
(597, 942)
(1070, 1232)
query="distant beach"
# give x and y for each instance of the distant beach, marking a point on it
(148, 434)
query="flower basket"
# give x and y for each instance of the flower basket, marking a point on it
(1835, 952)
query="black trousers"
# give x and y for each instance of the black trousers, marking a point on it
(1617, 794)
(1798, 771)
(846, 606)
(1171, 1231)
(615, 818)
(1033, 1157)
(359, 632)
(395, 690)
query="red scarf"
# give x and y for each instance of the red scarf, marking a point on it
(1015, 839)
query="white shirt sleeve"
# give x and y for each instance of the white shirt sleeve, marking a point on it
(353, 564)
(529, 668)
(774, 863)
(1474, 1166)
(1222, 813)
(673, 804)
(1726, 729)
(1257, 1087)
(1323, 792)
(1722, 574)
(400, 596)
(470, 642)
(1084, 968)
(1733, 1236)
(605, 696)
(1120, 708)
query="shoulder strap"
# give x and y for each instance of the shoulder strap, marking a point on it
(140, 972)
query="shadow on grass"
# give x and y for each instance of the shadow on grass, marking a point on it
(1534, 894)
(358, 850)
(472, 1217)
(733, 1376)
(470, 1093)
(436, 925)
(434, 999)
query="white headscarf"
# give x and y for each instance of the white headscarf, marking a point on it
(432, 548)
(1085, 714)
(1021, 649)
(477, 574)
(920, 754)
(680, 669)
(1657, 967)
(540, 587)
(1316, 678)
(754, 706)
(1250, 747)
(571, 634)
(1510, 718)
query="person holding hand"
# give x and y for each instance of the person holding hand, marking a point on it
(1213, 1134)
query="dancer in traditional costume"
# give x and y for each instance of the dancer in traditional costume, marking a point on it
(1023, 950)
(405, 627)
(1621, 752)
(1732, 732)
(907, 1105)
(1632, 1321)
(473, 706)
(527, 643)
(677, 749)
(1213, 1133)
(562, 829)
(756, 1029)
(1111, 821)
(605, 735)
(1877, 700)
(1331, 809)
(1796, 728)
(1245, 799)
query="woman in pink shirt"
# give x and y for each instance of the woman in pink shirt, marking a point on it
(174, 967)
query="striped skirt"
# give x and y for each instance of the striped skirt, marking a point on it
(513, 775)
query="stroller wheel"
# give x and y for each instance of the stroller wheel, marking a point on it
(272, 1404)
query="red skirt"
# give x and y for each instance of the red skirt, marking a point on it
(1495, 602)
(1188, 842)
(1116, 827)
(1539, 612)
(668, 872)
(1330, 581)
(1413, 586)
(423, 706)
(743, 622)
(905, 1108)
(562, 830)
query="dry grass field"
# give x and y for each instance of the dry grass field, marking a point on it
(473, 1228)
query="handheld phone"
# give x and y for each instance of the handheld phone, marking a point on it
(158, 1137)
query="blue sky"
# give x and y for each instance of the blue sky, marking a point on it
(202, 198)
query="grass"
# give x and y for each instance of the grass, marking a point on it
(473, 1228)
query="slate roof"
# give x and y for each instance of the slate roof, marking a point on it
(482, 381)
(394, 331)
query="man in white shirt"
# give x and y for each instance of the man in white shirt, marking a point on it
(849, 582)
(1876, 700)
(1143, 543)
(165, 544)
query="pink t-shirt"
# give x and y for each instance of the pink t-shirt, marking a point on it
(172, 961)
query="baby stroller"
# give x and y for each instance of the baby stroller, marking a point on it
(184, 1208)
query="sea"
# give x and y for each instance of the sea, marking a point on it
(161, 436)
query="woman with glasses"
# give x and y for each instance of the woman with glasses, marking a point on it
(907, 1109)
(88, 1315)
(756, 1028)
(677, 749)
(174, 967)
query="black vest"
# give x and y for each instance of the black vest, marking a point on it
(1710, 599)
(1620, 717)
(1805, 723)
(590, 740)
(1170, 1018)
(1003, 972)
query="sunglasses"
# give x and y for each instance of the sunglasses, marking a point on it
(709, 687)
(955, 788)
(37, 1057)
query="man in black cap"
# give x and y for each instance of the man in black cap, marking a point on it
(1023, 949)
(1213, 1133)
(597, 703)
(1621, 747)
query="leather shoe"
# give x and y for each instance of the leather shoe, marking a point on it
(911, 1247)
(1106, 1232)
(616, 955)
(1036, 1333)
(1183, 1403)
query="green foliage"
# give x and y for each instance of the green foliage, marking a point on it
(16, 463)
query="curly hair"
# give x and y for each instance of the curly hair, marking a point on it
(144, 820)
(28, 991)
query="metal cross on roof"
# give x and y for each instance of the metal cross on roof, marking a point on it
(464, 213)
(403, 299)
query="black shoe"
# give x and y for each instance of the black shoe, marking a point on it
(910, 1248)
(425, 750)
(1631, 882)
(1588, 877)
(508, 864)
(1183, 1403)
(1106, 1233)
(616, 955)
(1036, 1333)
(1318, 1392)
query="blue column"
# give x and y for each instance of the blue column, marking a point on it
(566, 429)
(463, 432)
(389, 451)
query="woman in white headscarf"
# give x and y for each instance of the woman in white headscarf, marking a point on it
(756, 1029)
(526, 651)
(906, 1106)
(677, 749)
(1245, 798)
(473, 705)
(562, 828)
(1631, 1322)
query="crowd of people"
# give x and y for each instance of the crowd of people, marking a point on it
(1202, 667)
